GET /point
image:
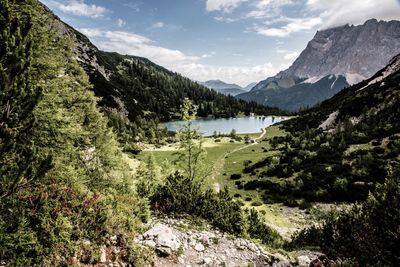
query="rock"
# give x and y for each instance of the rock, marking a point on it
(205, 239)
(167, 239)
(280, 261)
(162, 238)
(113, 240)
(149, 243)
(164, 251)
(103, 254)
(304, 261)
(199, 247)
(207, 261)
(157, 229)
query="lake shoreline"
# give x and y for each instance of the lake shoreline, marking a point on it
(224, 126)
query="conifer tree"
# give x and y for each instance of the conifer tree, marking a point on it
(19, 162)
(191, 147)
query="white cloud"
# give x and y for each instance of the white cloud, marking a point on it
(268, 8)
(224, 19)
(291, 56)
(340, 12)
(208, 55)
(121, 23)
(158, 25)
(137, 45)
(175, 60)
(242, 75)
(226, 6)
(80, 8)
(296, 25)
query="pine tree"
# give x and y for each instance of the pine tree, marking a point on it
(19, 162)
(191, 147)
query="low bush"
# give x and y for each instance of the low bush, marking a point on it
(182, 195)
(236, 176)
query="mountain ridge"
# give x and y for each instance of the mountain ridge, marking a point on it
(225, 88)
(352, 52)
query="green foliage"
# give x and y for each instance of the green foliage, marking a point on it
(191, 152)
(149, 177)
(182, 195)
(20, 163)
(257, 228)
(367, 233)
(88, 193)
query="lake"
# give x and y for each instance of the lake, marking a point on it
(242, 125)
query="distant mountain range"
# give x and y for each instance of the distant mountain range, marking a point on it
(333, 59)
(227, 89)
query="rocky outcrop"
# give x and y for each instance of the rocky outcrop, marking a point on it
(334, 59)
(356, 52)
(177, 243)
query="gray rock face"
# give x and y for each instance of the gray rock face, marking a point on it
(356, 52)
(162, 238)
(332, 60)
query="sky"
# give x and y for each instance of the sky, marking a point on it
(237, 41)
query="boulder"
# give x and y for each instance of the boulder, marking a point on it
(303, 261)
(199, 247)
(162, 238)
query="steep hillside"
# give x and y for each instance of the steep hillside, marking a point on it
(338, 150)
(291, 95)
(135, 86)
(65, 185)
(352, 52)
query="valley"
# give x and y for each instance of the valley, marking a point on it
(114, 153)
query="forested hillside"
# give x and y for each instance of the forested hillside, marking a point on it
(63, 181)
(339, 150)
(133, 89)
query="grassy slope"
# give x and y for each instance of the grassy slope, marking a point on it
(224, 159)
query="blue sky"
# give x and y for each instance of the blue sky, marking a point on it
(238, 41)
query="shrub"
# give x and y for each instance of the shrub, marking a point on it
(182, 195)
(290, 203)
(257, 228)
(236, 176)
(256, 203)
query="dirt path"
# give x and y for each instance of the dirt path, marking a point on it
(221, 161)
(264, 132)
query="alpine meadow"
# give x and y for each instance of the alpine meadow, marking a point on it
(199, 133)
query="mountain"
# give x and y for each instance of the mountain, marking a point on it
(250, 86)
(136, 93)
(218, 84)
(223, 88)
(350, 52)
(374, 102)
(337, 151)
(294, 94)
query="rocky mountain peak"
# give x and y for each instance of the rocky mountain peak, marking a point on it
(355, 52)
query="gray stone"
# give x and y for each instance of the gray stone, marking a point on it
(207, 261)
(164, 251)
(199, 247)
(303, 261)
(149, 243)
(103, 254)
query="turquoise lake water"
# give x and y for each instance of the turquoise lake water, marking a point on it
(242, 125)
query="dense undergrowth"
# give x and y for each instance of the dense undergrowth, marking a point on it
(63, 181)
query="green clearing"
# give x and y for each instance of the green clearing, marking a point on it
(225, 158)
